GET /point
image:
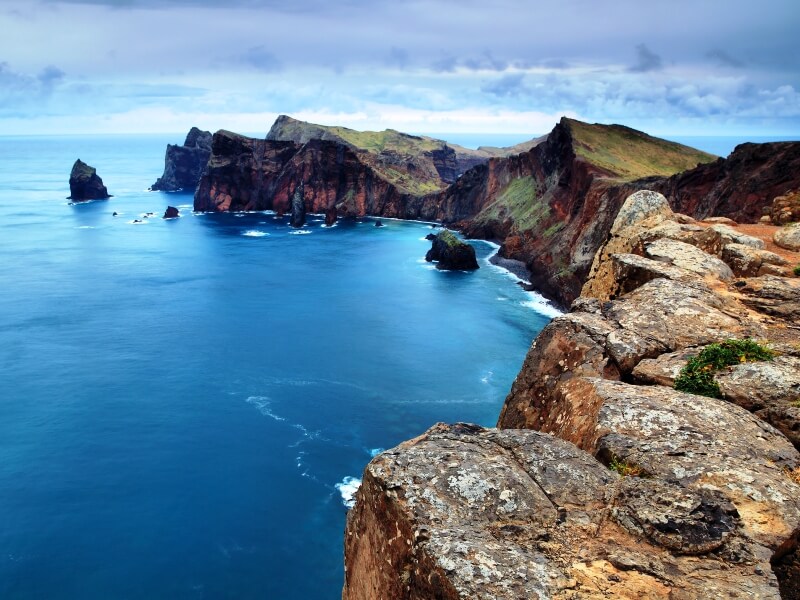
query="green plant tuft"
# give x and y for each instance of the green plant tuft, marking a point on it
(625, 468)
(697, 377)
(797, 271)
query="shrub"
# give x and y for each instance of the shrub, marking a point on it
(626, 469)
(797, 270)
(697, 377)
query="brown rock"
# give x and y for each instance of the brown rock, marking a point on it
(788, 237)
(786, 208)
(686, 256)
(746, 261)
(468, 513)
(776, 296)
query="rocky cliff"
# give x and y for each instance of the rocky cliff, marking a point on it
(85, 184)
(183, 165)
(551, 206)
(603, 480)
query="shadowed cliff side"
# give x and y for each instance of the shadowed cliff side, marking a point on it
(183, 165)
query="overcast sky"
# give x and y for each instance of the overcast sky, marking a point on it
(675, 67)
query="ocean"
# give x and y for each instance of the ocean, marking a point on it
(186, 405)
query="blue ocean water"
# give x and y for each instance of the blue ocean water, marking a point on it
(183, 402)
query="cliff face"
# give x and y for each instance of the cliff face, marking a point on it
(603, 480)
(741, 186)
(183, 165)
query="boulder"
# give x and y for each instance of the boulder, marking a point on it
(788, 237)
(720, 220)
(183, 165)
(731, 236)
(463, 512)
(771, 295)
(171, 213)
(451, 253)
(85, 184)
(686, 256)
(747, 261)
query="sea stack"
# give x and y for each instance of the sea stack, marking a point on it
(451, 253)
(298, 208)
(84, 183)
(183, 165)
(171, 213)
(330, 216)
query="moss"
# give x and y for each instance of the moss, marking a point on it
(697, 377)
(449, 238)
(629, 154)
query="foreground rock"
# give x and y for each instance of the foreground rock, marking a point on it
(85, 184)
(183, 165)
(451, 254)
(785, 209)
(470, 513)
(788, 237)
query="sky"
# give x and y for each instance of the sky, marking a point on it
(675, 67)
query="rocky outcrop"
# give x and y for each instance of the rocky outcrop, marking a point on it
(469, 513)
(85, 184)
(788, 237)
(183, 165)
(450, 253)
(171, 213)
(708, 501)
(785, 209)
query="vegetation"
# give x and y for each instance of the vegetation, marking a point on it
(797, 271)
(697, 377)
(520, 202)
(629, 154)
(625, 468)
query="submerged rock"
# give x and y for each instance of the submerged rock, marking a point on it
(85, 184)
(451, 253)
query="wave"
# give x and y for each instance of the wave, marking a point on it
(347, 488)
(541, 305)
(299, 232)
(254, 233)
(373, 452)
(84, 227)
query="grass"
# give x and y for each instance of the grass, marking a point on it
(697, 377)
(520, 202)
(629, 154)
(796, 271)
(626, 469)
(449, 238)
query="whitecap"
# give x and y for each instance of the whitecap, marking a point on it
(347, 488)
(84, 227)
(373, 452)
(487, 378)
(299, 232)
(254, 233)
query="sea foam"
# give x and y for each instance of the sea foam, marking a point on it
(347, 488)
(254, 233)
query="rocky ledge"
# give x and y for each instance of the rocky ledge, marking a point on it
(183, 165)
(85, 184)
(450, 253)
(602, 479)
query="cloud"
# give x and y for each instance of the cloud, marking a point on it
(724, 59)
(506, 86)
(647, 60)
(261, 59)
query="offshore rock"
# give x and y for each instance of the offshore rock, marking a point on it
(85, 184)
(451, 254)
(171, 213)
(330, 216)
(788, 237)
(298, 208)
(463, 512)
(183, 165)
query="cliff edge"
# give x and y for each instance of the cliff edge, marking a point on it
(183, 165)
(603, 480)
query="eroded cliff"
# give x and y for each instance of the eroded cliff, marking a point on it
(183, 165)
